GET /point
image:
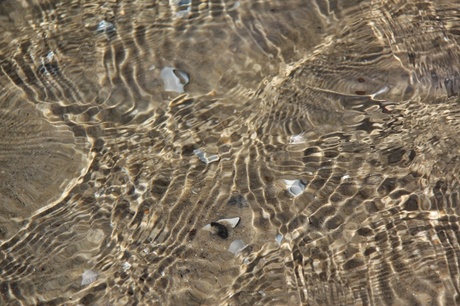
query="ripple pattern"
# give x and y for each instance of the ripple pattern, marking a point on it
(328, 127)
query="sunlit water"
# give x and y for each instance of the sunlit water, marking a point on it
(215, 152)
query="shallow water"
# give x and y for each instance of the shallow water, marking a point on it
(130, 129)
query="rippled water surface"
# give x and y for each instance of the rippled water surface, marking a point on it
(221, 152)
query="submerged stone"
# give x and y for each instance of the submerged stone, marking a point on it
(105, 27)
(174, 79)
(295, 187)
(219, 230)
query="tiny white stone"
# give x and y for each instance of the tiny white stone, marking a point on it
(88, 277)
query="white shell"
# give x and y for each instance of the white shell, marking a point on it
(236, 246)
(232, 222)
(88, 277)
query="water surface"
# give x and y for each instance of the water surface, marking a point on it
(130, 130)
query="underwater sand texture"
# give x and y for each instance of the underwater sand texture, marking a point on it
(214, 152)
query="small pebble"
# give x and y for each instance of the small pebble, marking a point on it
(295, 187)
(174, 79)
(219, 230)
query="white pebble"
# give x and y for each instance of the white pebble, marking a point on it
(295, 187)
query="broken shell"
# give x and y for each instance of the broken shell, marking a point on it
(232, 222)
(88, 277)
(236, 246)
(205, 157)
